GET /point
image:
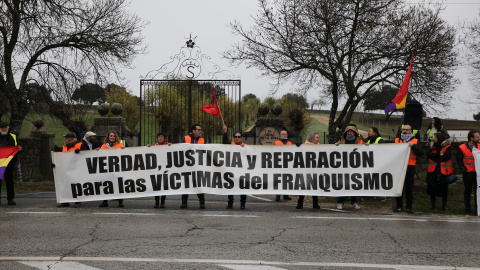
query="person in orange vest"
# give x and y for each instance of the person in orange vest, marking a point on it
(349, 136)
(467, 163)
(112, 141)
(440, 165)
(9, 139)
(195, 137)
(415, 151)
(312, 139)
(237, 140)
(71, 145)
(283, 140)
(161, 140)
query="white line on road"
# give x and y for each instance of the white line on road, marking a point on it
(243, 262)
(58, 265)
(391, 219)
(217, 215)
(250, 266)
(129, 214)
(260, 198)
(36, 212)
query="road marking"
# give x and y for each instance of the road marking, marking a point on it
(36, 212)
(390, 219)
(58, 265)
(129, 214)
(250, 266)
(218, 215)
(260, 198)
(240, 262)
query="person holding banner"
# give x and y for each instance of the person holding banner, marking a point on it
(112, 141)
(71, 145)
(466, 161)
(349, 136)
(89, 142)
(160, 141)
(312, 139)
(415, 151)
(237, 140)
(195, 137)
(440, 165)
(374, 136)
(8, 139)
(283, 140)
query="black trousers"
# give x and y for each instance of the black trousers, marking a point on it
(408, 190)
(8, 177)
(243, 199)
(470, 182)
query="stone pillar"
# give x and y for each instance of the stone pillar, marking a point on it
(104, 124)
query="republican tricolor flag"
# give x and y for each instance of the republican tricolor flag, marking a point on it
(6, 155)
(401, 98)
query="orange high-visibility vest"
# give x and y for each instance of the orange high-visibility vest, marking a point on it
(412, 160)
(446, 167)
(200, 140)
(281, 143)
(239, 144)
(161, 144)
(432, 164)
(117, 145)
(468, 159)
(73, 148)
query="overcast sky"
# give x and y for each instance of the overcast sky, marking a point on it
(172, 22)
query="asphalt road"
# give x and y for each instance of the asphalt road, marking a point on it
(35, 234)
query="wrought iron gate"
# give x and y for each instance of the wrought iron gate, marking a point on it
(173, 105)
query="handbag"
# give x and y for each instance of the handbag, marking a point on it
(452, 178)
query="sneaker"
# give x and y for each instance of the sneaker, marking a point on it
(162, 205)
(398, 209)
(242, 206)
(11, 202)
(229, 206)
(356, 206)
(340, 206)
(410, 211)
(287, 198)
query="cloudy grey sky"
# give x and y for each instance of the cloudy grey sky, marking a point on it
(171, 23)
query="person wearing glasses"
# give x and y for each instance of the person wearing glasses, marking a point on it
(237, 140)
(312, 139)
(283, 140)
(161, 140)
(415, 151)
(195, 137)
(112, 141)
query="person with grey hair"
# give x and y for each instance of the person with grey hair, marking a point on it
(312, 139)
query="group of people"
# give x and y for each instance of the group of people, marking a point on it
(439, 152)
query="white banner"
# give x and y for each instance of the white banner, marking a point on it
(323, 170)
(476, 156)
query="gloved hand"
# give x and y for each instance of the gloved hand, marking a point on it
(77, 151)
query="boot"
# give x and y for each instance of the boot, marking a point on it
(157, 202)
(201, 200)
(277, 198)
(315, 202)
(162, 202)
(432, 202)
(444, 204)
(184, 201)
(300, 202)
(242, 205)
(120, 203)
(104, 204)
(287, 198)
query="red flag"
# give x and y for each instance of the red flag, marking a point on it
(208, 108)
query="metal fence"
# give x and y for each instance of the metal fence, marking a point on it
(172, 106)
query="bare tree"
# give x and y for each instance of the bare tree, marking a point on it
(471, 39)
(60, 44)
(348, 47)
